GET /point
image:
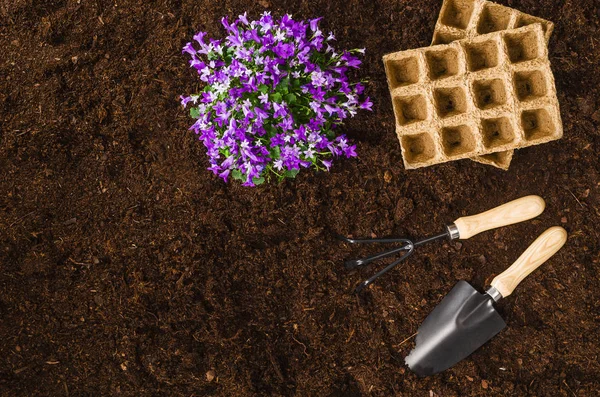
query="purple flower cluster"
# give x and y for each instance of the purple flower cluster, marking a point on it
(274, 91)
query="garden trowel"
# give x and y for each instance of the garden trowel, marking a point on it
(465, 319)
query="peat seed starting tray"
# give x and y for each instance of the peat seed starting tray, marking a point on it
(476, 96)
(460, 19)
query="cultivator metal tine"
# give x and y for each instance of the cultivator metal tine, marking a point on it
(389, 267)
(370, 240)
(407, 245)
(354, 263)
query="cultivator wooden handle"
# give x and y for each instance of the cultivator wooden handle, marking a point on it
(546, 245)
(518, 210)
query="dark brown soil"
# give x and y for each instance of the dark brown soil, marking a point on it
(128, 269)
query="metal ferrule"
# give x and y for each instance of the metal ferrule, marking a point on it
(494, 293)
(453, 232)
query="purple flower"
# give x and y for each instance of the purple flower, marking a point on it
(272, 98)
(197, 64)
(367, 104)
(314, 24)
(286, 124)
(207, 97)
(188, 48)
(243, 19)
(277, 140)
(264, 97)
(266, 22)
(299, 31)
(226, 25)
(284, 50)
(351, 61)
(253, 35)
(228, 162)
(234, 40)
(330, 109)
(185, 100)
(199, 37)
(317, 43)
(280, 111)
(260, 115)
(300, 133)
(224, 175)
(350, 151)
(287, 21)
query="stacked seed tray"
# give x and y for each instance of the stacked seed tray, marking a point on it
(482, 90)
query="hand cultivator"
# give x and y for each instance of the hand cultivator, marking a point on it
(463, 228)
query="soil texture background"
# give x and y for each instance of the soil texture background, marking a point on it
(127, 268)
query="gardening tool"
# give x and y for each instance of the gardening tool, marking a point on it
(518, 210)
(465, 319)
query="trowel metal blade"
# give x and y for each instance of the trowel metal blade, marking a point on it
(462, 322)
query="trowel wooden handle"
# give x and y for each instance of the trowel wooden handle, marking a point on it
(546, 245)
(516, 211)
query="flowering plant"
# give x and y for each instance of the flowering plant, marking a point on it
(275, 90)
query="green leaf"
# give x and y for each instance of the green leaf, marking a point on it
(237, 174)
(270, 129)
(282, 88)
(258, 181)
(263, 88)
(291, 173)
(290, 98)
(277, 97)
(275, 152)
(194, 112)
